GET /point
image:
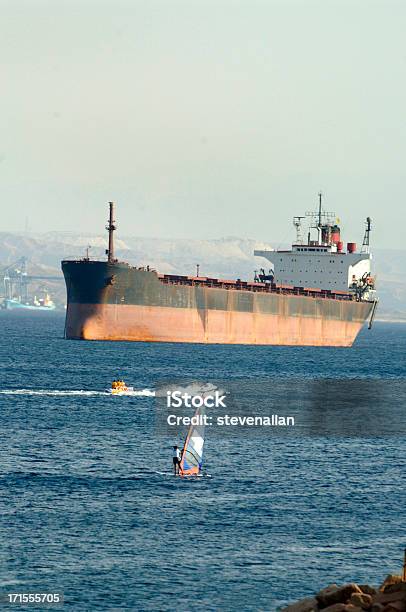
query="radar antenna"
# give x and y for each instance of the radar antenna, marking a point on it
(319, 219)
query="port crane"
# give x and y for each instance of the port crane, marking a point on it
(16, 279)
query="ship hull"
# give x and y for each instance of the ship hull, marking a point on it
(158, 324)
(117, 302)
(17, 306)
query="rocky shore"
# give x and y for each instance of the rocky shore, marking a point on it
(389, 597)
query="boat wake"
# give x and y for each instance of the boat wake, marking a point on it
(134, 392)
(80, 392)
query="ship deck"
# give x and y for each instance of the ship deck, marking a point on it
(232, 285)
(240, 285)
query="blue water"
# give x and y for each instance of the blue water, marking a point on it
(89, 506)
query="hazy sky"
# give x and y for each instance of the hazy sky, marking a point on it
(203, 118)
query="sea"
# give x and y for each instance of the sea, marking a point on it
(89, 506)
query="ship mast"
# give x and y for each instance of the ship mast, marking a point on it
(319, 223)
(110, 227)
(365, 242)
(297, 222)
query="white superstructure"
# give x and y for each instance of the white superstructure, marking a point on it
(322, 264)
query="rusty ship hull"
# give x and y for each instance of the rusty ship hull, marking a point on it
(116, 301)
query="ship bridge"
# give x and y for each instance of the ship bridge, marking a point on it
(317, 267)
(322, 263)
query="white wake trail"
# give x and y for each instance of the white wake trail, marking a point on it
(79, 392)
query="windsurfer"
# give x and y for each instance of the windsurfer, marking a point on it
(176, 457)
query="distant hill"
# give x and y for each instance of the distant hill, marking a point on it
(227, 258)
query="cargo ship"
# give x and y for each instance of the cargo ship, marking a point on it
(315, 294)
(44, 304)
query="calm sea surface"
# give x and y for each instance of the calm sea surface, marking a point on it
(89, 506)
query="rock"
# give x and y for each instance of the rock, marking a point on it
(397, 594)
(304, 605)
(389, 580)
(351, 608)
(338, 607)
(368, 590)
(396, 606)
(388, 598)
(336, 594)
(396, 587)
(377, 607)
(362, 600)
(329, 589)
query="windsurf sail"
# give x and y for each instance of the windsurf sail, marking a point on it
(192, 454)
